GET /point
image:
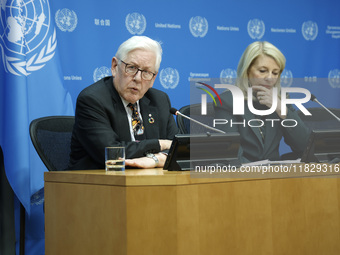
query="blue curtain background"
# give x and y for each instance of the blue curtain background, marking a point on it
(200, 39)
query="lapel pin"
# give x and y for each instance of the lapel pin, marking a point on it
(151, 119)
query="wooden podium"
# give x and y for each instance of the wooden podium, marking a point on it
(158, 212)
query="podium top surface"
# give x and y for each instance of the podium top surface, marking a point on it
(158, 176)
(131, 177)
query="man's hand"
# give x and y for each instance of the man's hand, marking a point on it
(145, 162)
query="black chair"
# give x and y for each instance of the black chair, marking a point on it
(194, 111)
(319, 120)
(51, 137)
(7, 225)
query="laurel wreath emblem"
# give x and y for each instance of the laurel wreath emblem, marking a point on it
(198, 26)
(169, 78)
(37, 61)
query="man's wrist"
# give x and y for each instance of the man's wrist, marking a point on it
(153, 156)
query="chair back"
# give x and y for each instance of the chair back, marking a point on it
(321, 119)
(51, 137)
(194, 111)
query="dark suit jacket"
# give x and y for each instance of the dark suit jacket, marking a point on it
(252, 146)
(101, 121)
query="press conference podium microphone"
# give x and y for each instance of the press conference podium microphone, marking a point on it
(176, 112)
(313, 98)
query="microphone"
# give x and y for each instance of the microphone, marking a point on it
(313, 98)
(176, 112)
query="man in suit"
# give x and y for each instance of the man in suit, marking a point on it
(124, 110)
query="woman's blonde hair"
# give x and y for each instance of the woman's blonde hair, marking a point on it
(249, 56)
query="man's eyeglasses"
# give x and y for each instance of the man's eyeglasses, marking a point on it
(133, 70)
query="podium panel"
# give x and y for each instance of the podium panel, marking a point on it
(158, 212)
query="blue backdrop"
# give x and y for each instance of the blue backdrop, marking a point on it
(51, 50)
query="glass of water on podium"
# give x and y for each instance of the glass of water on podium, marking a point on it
(114, 158)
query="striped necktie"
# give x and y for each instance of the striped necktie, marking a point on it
(137, 123)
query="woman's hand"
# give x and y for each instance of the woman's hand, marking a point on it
(265, 97)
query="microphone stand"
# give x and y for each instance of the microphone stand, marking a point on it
(200, 123)
(316, 100)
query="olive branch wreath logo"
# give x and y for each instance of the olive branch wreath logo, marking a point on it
(19, 67)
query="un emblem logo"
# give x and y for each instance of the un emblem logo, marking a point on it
(198, 26)
(24, 27)
(310, 30)
(100, 73)
(66, 20)
(334, 78)
(228, 76)
(286, 78)
(135, 23)
(169, 78)
(256, 28)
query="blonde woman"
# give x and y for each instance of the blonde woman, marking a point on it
(260, 68)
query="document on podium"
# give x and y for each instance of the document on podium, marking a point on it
(269, 162)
